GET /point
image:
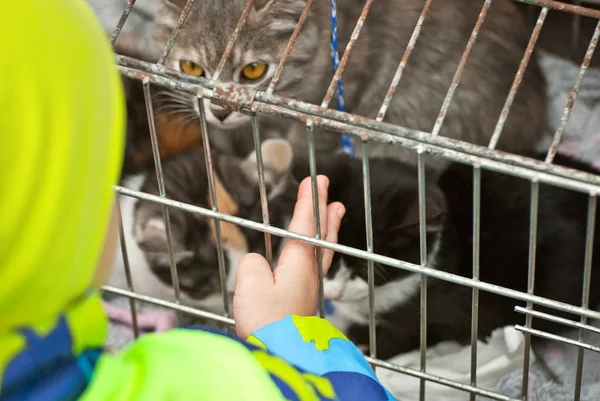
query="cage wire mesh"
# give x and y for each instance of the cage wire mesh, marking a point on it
(252, 102)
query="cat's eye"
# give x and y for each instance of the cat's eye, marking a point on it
(191, 68)
(254, 71)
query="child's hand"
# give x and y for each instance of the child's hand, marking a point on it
(263, 296)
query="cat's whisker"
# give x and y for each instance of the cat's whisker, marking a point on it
(184, 117)
(172, 109)
(172, 94)
(189, 119)
(171, 97)
(172, 113)
(175, 101)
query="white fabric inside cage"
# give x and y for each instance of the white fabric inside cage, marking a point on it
(502, 354)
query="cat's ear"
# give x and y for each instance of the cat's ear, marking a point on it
(168, 13)
(435, 212)
(277, 155)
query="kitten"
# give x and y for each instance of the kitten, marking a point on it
(477, 103)
(504, 241)
(193, 236)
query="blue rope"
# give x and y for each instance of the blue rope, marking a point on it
(347, 142)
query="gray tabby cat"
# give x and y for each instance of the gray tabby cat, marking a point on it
(477, 104)
(193, 236)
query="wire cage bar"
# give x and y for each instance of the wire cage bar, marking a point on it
(475, 293)
(367, 130)
(317, 213)
(213, 200)
(369, 233)
(161, 187)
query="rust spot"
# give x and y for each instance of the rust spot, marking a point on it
(231, 235)
(234, 97)
(570, 8)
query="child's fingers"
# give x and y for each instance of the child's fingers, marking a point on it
(335, 213)
(303, 222)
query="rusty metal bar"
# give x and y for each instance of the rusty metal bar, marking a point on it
(459, 70)
(573, 95)
(407, 52)
(340, 70)
(182, 17)
(494, 160)
(560, 6)
(289, 47)
(138, 69)
(122, 20)
(518, 78)
(232, 40)
(388, 133)
(161, 187)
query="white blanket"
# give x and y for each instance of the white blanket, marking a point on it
(502, 354)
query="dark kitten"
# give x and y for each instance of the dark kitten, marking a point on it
(504, 241)
(193, 236)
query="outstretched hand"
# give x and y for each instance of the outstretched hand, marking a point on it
(263, 296)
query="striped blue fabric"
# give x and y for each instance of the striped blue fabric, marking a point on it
(46, 369)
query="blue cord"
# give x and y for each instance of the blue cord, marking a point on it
(347, 142)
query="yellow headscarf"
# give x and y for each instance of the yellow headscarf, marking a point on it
(61, 144)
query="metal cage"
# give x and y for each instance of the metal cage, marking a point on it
(367, 130)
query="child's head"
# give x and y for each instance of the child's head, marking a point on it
(61, 144)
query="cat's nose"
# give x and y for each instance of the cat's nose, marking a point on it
(221, 113)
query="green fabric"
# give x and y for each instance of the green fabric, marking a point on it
(62, 117)
(182, 365)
